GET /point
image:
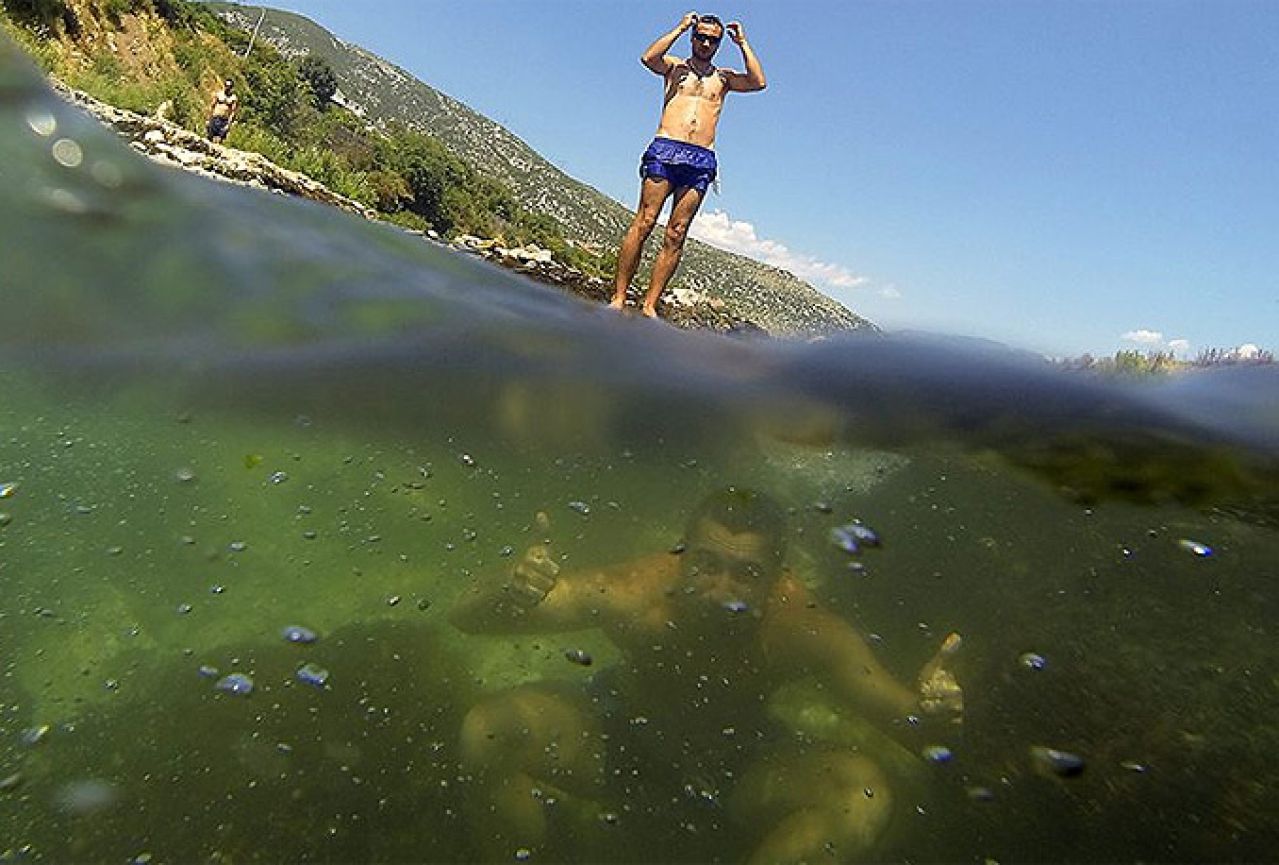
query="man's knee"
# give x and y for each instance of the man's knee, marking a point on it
(676, 233)
(482, 736)
(644, 223)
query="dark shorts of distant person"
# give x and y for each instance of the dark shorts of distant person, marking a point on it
(217, 127)
(684, 165)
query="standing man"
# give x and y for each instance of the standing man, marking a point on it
(222, 113)
(680, 163)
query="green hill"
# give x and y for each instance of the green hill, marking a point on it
(387, 96)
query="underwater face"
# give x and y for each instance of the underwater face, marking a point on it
(727, 569)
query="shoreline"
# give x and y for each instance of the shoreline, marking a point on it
(169, 144)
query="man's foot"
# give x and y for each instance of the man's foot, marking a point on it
(616, 303)
(649, 313)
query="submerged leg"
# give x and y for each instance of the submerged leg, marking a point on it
(830, 806)
(522, 747)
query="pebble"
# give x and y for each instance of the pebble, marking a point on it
(937, 754)
(1032, 661)
(236, 683)
(1060, 763)
(844, 541)
(313, 674)
(579, 657)
(208, 671)
(1203, 551)
(299, 634)
(12, 782)
(7, 489)
(34, 735)
(5, 519)
(580, 507)
(851, 537)
(736, 606)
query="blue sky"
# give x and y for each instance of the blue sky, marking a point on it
(1061, 175)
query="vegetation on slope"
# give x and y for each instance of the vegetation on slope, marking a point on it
(144, 54)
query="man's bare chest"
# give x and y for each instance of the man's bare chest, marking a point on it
(686, 83)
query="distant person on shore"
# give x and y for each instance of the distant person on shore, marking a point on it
(680, 163)
(222, 113)
(706, 636)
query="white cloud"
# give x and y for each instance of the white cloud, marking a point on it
(718, 229)
(890, 292)
(1153, 340)
(1144, 337)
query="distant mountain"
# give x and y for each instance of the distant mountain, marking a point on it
(384, 95)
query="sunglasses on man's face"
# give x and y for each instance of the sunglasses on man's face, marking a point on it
(707, 38)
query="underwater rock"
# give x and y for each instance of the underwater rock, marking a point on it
(312, 674)
(1050, 761)
(236, 683)
(299, 634)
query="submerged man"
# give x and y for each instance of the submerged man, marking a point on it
(707, 636)
(222, 113)
(680, 163)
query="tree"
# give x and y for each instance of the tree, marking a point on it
(319, 76)
(274, 97)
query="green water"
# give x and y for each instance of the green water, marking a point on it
(222, 415)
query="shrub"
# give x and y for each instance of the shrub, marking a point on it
(320, 78)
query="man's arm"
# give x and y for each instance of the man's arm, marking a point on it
(803, 636)
(655, 57)
(810, 638)
(532, 597)
(753, 79)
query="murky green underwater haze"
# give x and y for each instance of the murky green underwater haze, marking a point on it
(223, 415)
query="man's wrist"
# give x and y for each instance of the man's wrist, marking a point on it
(526, 595)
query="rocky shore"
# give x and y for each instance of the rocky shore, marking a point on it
(172, 145)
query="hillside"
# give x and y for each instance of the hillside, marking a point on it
(387, 96)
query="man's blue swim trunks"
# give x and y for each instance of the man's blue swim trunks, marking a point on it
(683, 164)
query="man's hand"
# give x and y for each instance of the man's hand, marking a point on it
(939, 692)
(735, 32)
(689, 20)
(534, 575)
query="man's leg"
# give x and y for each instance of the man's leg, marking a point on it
(687, 201)
(653, 192)
(523, 747)
(829, 805)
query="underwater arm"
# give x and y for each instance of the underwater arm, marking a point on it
(803, 637)
(533, 597)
